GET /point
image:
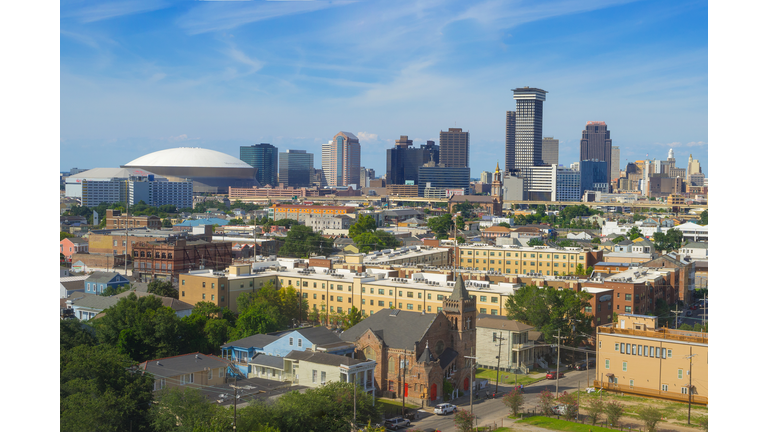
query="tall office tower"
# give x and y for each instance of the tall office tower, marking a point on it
(596, 145)
(454, 148)
(341, 160)
(694, 167)
(366, 175)
(263, 157)
(296, 168)
(615, 163)
(593, 176)
(526, 149)
(550, 151)
(509, 143)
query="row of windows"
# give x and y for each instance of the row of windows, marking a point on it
(525, 255)
(643, 350)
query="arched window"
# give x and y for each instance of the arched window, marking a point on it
(391, 365)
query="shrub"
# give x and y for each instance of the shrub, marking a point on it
(594, 407)
(514, 400)
(546, 400)
(614, 410)
(650, 416)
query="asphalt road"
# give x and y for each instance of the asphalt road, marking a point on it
(490, 410)
(697, 317)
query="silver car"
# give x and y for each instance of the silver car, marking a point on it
(444, 408)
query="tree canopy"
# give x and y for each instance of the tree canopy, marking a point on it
(670, 241)
(441, 225)
(549, 309)
(365, 224)
(162, 288)
(302, 242)
(704, 218)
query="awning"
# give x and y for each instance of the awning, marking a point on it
(609, 374)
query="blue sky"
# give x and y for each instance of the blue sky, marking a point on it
(142, 76)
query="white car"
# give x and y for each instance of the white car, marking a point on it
(560, 409)
(445, 408)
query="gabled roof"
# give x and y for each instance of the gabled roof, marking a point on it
(447, 357)
(175, 304)
(255, 341)
(459, 291)
(397, 328)
(501, 322)
(262, 359)
(104, 277)
(181, 364)
(426, 355)
(316, 335)
(323, 358)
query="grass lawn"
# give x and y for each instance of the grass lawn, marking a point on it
(490, 375)
(561, 425)
(392, 405)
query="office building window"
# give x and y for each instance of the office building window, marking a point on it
(624, 366)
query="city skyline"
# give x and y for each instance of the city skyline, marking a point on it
(152, 76)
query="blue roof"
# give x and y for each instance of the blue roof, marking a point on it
(198, 222)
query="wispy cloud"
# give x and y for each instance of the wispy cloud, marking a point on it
(677, 144)
(216, 16)
(102, 10)
(367, 137)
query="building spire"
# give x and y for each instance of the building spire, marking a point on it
(459, 291)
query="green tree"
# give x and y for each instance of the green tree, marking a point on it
(185, 409)
(465, 208)
(364, 224)
(111, 290)
(258, 318)
(142, 328)
(613, 411)
(162, 288)
(463, 420)
(504, 224)
(549, 309)
(535, 242)
(546, 401)
(74, 333)
(571, 404)
(238, 221)
(389, 240)
(302, 242)
(167, 223)
(704, 218)
(594, 407)
(440, 225)
(580, 270)
(650, 415)
(634, 233)
(595, 240)
(98, 392)
(460, 222)
(352, 318)
(514, 401)
(63, 235)
(367, 242)
(618, 239)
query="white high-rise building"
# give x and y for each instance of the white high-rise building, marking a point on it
(341, 160)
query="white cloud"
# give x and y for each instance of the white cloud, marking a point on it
(696, 144)
(367, 137)
(182, 137)
(106, 10)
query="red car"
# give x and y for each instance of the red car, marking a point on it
(552, 374)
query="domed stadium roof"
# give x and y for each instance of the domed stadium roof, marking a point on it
(193, 157)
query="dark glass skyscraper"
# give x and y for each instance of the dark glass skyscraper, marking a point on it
(296, 168)
(596, 145)
(525, 125)
(263, 157)
(403, 162)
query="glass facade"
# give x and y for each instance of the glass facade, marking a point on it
(263, 157)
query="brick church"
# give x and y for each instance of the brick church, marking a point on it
(417, 352)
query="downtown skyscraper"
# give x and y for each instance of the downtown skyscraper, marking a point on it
(454, 148)
(263, 157)
(341, 160)
(596, 145)
(524, 130)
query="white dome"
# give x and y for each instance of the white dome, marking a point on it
(192, 157)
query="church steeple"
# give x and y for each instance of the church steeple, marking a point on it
(459, 291)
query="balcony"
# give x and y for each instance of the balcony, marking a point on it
(523, 345)
(642, 391)
(662, 333)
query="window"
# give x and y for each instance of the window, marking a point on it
(322, 377)
(482, 310)
(622, 348)
(182, 293)
(684, 390)
(381, 303)
(203, 284)
(669, 353)
(624, 366)
(203, 296)
(210, 373)
(588, 309)
(494, 312)
(391, 292)
(627, 297)
(663, 353)
(290, 341)
(409, 294)
(634, 349)
(339, 299)
(299, 341)
(607, 364)
(399, 305)
(349, 300)
(159, 384)
(410, 306)
(221, 372)
(183, 282)
(657, 352)
(664, 387)
(314, 376)
(628, 309)
(645, 350)
(381, 292)
(429, 308)
(651, 351)
(213, 297)
(419, 295)
(439, 296)
(429, 296)
(679, 374)
(615, 346)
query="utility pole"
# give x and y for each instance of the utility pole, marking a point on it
(125, 253)
(234, 422)
(471, 383)
(402, 371)
(498, 363)
(557, 373)
(676, 312)
(690, 379)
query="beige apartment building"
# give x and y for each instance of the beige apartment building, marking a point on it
(546, 260)
(636, 356)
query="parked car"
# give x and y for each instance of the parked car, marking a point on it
(582, 365)
(397, 423)
(688, 313)
(553, 374)
(444, 409)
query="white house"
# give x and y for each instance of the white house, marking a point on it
(697, 251)
(693, 232)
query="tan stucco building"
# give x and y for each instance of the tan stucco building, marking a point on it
(635, 356)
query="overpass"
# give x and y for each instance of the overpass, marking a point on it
(507, 203)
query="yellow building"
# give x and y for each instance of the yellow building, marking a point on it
(286, 211)
(548, 261)
(636, 356)
(221, 287)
